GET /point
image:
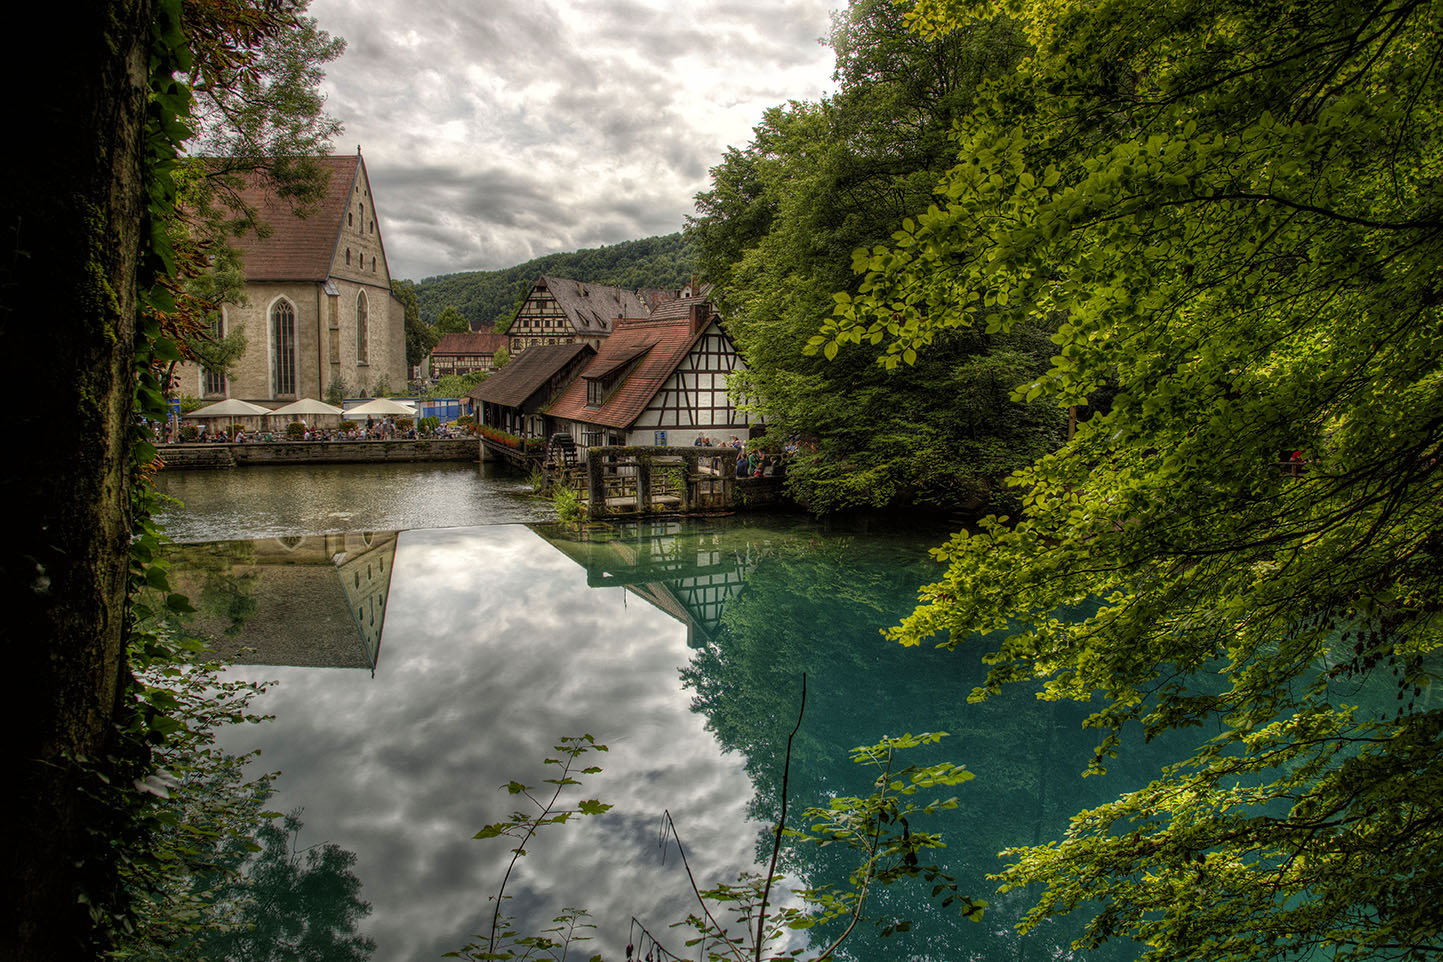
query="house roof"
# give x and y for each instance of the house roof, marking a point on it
(668, 340)
(298, 248)
(527, 373)
(593, 307)
(477, 342)
(682, 307)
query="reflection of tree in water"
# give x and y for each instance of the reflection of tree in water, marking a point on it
(295, 903)
(221, 581)
(816, 606)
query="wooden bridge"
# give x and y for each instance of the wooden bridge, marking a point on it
(627, 480)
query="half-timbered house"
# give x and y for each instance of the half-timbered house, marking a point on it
(514, 399)
(459, 353)
(559, 310)
(658, 380)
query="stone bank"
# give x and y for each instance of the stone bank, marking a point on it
(202, 456)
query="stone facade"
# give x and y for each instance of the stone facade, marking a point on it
(319, 307)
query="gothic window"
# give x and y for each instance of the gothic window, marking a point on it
(214, 381)
(363, 328)
(283, 348)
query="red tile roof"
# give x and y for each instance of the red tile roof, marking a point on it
(483, 342)
(669, 342)
(298, 248)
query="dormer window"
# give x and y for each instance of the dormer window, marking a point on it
(602, 382)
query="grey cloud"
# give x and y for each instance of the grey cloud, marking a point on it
(495, 133)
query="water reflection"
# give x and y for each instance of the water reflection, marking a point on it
(671, 565)
(314, 600)
(499, 639)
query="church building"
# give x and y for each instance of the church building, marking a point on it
(318, 305)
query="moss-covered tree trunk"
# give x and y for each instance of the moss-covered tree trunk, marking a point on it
(70, 221)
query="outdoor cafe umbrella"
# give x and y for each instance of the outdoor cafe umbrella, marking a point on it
(381, 408)
(231, 407)
(306, 407)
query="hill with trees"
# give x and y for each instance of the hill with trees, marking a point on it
(485, 297)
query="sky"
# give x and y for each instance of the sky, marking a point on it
(501, 131)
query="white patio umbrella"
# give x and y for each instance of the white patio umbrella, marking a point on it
(231, 407)
(306, 407)
(381, 408)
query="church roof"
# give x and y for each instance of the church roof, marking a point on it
(298, 248)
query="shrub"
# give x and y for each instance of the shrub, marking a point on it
(347, 426)
(295, 430)
(189, 432)
(430, 424)
(403, 424)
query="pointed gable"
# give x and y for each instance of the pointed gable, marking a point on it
(653, 347)
(592, 308)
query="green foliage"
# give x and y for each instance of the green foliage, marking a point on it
(503, 942)
(420, 336)
(295, 431)
(776, 231)
(493, 297)
(428, 425)
(381, 388)
(1233, 214)
(189, 402)
(457, 385)
(337, 391)
(568, 505)
(451, 321)
(501, 358)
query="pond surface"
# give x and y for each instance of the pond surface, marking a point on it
(418, 671)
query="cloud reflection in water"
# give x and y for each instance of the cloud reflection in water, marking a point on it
(495, 647)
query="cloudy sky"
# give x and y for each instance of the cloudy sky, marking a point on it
(498, 131)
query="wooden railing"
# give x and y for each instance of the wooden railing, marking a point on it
(644, 480)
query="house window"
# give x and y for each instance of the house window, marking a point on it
(592, 438)
(595, 393)
(348, 257)
(283, 348)
(349, 215)
(363, 327)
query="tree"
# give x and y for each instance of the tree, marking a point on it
(450, 321)
(420, 337)
(257, 117)
(775, 233)
(78, 264)
(1235, 211)
(501, 358)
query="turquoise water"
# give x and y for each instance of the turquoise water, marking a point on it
(417, 671)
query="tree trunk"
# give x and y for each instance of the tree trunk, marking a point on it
(70, 222)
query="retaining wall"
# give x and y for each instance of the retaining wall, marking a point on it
(317, 452)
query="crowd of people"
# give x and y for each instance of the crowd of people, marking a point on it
(754, 460)
(383, 429)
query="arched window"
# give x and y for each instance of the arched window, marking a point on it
(283, 348)
(213, 382)
(363, 327)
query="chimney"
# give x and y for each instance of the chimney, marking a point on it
(700, 316)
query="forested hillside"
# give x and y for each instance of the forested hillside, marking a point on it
(483, 297)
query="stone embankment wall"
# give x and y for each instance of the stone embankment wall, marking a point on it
(317, 452)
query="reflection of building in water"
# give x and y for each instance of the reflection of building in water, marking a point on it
(310, 601)
(690, 576)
